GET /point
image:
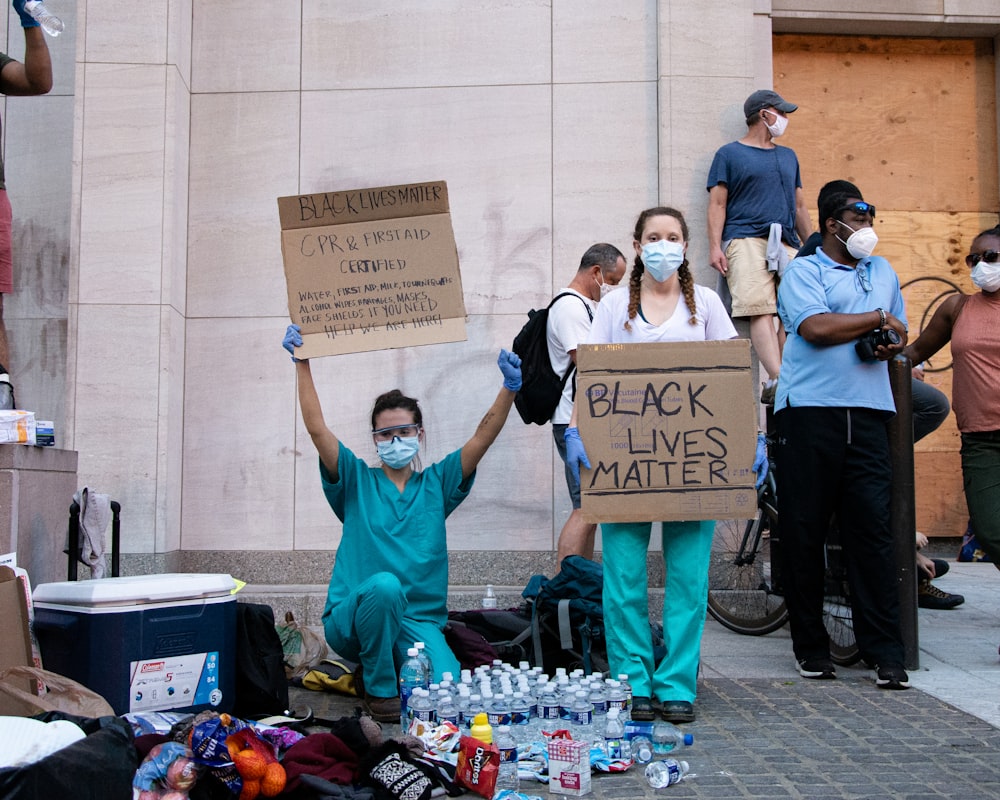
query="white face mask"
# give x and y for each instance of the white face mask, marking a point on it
(776, 128)
(986, 276)
(662, 258)
(607, 288)
(399, 452)
(861, 243)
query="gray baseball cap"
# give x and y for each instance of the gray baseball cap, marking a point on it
(766, 98)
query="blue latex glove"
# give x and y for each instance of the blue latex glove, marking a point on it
(510, 366)
(27, 21)
(576, 455)
(292, 340)
(760, 462)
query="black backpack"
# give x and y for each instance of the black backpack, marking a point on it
(261, 685)
(541, 388)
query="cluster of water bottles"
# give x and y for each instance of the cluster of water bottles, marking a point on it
(521, 702)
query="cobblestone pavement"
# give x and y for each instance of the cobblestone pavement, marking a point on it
(816, 740)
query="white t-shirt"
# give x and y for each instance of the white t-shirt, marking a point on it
(612, 313)
(567, 328)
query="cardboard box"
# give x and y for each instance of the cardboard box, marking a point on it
(371, 269)
(569, 767)
(670, 429)
(15, 636)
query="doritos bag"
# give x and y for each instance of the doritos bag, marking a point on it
(478, 764)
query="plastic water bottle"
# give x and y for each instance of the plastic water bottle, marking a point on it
(582, 718)
(549, 709)
(616, 698)
(411, 676)
(426, 661)
(420, 707)
(489, 599)
(447, 710)
(520, 717)
(475, 708)
(627, 689)
(599, 700)
(507, 774)
(642, 749)
(666, 772)
(667, 737)
(498, 710)
(50, 23)
(614, 735)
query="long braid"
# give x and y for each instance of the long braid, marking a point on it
(634, 287)
(687, 287)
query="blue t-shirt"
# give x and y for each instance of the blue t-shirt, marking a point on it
(761, 184)
(834, 375)
(386, 530)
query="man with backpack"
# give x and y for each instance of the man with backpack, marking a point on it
(602, 269)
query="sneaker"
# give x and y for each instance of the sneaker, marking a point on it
(642, 709)
(820, 669)
(768, 391)
(677, 711)
(929, 596)
(892, 676)
(383, 709)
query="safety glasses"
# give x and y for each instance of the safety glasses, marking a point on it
(402, 431)
(990, 257)
(859, 208)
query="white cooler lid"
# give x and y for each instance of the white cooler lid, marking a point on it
(135, 589)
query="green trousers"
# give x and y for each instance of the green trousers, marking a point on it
(687, 548)
(981, 479)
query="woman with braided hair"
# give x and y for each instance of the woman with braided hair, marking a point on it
(662, 304)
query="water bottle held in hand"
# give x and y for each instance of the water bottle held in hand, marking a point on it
(50, 23)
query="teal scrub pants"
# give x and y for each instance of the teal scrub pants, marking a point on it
(687, 548)
(370, 626)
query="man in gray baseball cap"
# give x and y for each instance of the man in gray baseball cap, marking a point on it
(757, 220)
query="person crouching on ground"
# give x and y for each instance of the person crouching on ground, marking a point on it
(390, 579)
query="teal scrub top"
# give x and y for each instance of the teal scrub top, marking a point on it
(386, 530)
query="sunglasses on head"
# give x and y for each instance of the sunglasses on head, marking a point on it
(859, 208)
(990, 257)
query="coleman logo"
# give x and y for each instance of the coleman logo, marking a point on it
(155, 666)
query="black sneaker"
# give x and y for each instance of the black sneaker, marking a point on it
(820, 669)
(892, 676)
(929, 596)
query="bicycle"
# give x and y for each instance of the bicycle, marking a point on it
(744, 580)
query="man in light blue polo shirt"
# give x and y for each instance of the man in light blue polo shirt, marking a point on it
(832, 455)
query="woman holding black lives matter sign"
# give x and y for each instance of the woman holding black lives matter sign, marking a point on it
(662, 304)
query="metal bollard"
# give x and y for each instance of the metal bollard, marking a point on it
(903, 517)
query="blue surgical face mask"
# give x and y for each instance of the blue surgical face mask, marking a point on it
(399, 452)
(662, 258)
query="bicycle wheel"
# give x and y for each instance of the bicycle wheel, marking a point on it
(740, 591)
(837, 615)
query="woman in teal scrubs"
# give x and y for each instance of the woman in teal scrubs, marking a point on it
(390, 579)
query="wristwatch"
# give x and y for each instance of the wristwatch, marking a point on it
(881, 317)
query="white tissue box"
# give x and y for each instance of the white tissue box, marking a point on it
(17, 427)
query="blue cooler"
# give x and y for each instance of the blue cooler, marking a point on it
(145, 642)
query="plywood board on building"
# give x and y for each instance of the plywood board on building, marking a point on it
(913, 120)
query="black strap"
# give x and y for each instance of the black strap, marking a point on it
(590, 314)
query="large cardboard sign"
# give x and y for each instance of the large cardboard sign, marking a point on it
(371, 269)
(670, 430)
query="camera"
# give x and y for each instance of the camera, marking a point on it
(867, 344)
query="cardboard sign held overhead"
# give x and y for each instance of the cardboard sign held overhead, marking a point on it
(670, 431)
(372, 269)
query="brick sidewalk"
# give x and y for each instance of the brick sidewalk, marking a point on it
(815, 740)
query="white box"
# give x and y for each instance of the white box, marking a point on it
(569, 767)
(17, 427)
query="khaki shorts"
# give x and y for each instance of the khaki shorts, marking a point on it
(753, 288)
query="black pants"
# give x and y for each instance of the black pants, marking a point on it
(836, 460)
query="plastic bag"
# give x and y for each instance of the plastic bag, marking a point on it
(62, 694)
(303, 648)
